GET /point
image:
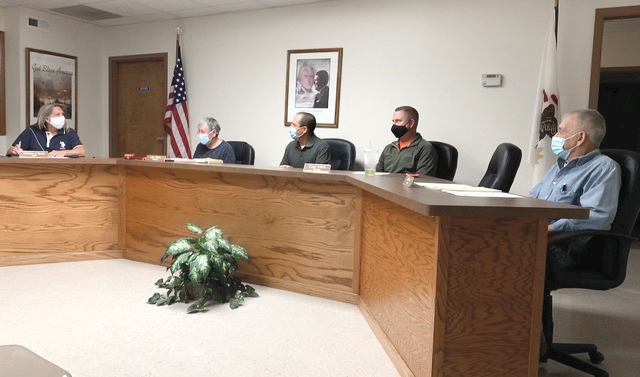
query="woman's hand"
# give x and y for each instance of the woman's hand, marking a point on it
(57, 153)
(14, 149)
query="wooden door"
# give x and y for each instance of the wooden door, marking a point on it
(138, 98)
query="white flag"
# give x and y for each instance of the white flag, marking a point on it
(546, 115)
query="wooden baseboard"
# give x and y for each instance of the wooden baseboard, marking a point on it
(385, 342)
(36, 257)
(348, 297)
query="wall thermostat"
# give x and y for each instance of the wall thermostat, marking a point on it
(492, 79)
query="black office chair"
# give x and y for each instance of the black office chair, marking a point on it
(447, 160)
(603, 267)
(502, 168)
(343, 154)
(244, 152)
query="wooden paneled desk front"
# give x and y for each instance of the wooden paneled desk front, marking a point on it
(452, 286)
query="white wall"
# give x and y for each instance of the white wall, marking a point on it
(575, 45)
(64, 36)
(428, 54)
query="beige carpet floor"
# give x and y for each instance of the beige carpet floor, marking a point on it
(91, 318)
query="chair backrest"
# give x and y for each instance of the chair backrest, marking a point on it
(244, 152)
(447, 160)
(615, 253)
(502, 168)
(629, 197)
(343, 154)
(604, 265)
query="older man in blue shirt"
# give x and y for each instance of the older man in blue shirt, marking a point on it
(582, 176)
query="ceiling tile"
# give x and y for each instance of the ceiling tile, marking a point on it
(170, 5)
(157, 16)
(196, 12)
(240, 6)
(123, 7)
(134, 11)
(45, 5)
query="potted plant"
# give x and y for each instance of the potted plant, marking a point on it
(203, 269)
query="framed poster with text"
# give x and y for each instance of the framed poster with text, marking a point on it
(52, 78)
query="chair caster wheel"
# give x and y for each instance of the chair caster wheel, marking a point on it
(596, 357)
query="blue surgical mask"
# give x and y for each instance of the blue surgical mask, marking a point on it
(204, 139)
(557, 146)
(292, 133)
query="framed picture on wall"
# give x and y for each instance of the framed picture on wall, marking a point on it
(313, 85)
(3, 105)
(52, 78)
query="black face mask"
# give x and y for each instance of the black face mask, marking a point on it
(399, 131)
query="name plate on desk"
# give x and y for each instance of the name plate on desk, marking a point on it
(316, 168)
(32, 154)
(207, 160)
(156, 157)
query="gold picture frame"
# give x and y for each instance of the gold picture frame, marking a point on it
(313, 85)
(52, 78)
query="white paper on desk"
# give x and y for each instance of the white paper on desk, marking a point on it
(454, 187)
(182, 160)
(482, 194)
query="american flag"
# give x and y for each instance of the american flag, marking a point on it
(176, 117)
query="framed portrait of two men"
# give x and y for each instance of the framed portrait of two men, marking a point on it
(313, 85)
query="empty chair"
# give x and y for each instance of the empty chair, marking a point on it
(447, 160)
(343, 154)
(502, 168)
(602, 267)
(244, 152)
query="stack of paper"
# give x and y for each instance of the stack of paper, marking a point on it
(453, 187)
(466, 190)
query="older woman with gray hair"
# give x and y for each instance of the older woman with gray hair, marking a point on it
(211, 146)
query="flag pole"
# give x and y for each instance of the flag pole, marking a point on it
(556, 11)
(178, 32)
(176, 118)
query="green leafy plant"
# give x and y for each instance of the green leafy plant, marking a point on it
(203, 269)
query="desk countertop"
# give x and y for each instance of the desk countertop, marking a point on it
(388, 186)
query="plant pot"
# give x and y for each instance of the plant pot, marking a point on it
(195, 291)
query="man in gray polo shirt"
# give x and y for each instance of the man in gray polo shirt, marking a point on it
(306, 147)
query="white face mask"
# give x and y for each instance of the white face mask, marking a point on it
(57, 122)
